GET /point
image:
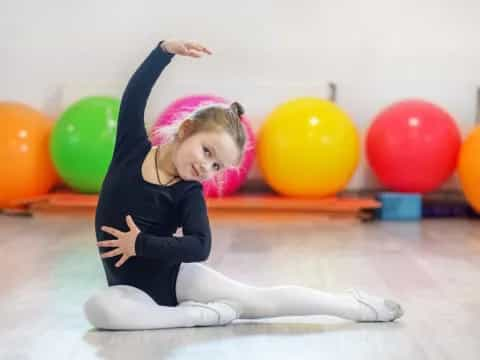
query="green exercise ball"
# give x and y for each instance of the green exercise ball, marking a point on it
(82, 142)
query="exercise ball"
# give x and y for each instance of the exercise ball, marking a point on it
(25, 163)
(228, 181)
(82, 142)
(469, 168)
(412, 146)
(308, 147)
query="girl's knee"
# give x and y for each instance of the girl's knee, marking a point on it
(99, 307)
(114, 307)
(97, 312)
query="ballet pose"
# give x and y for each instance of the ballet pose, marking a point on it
(155, 277)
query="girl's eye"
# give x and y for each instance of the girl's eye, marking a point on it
(206, 151)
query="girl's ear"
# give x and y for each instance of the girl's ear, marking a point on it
(185, 129)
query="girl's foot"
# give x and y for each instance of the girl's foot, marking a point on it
(213, 313)
(373, 308)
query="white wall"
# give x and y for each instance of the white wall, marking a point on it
(377, 51)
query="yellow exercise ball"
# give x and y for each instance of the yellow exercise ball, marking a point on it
(469, 168)
(308, 147)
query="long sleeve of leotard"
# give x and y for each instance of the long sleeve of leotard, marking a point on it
(193, 246)
(131, 125)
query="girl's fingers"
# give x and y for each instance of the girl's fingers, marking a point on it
(108, 243)
(190, 49)
(131, 224)
(198, 47)
(111, 231)
(198, 51)
(121, 261)
(193, 54)
(111, 253)
(184, 50)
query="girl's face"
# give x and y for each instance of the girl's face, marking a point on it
(202, 155)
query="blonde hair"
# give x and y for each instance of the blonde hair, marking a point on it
(215, 117)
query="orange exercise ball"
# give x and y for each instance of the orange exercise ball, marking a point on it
(469, 168)
(25, 163)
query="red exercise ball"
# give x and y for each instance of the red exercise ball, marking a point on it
(413, 146)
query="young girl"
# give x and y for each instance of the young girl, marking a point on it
(155, 278)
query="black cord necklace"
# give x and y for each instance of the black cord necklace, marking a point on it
(156, 170)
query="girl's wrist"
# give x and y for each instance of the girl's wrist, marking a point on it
(162, 46)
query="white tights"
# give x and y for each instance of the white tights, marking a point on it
(124, 307)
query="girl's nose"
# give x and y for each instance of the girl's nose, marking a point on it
(203, 169)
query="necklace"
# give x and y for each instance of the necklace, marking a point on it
(156, 170)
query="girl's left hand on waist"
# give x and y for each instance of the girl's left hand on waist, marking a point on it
(125, 243)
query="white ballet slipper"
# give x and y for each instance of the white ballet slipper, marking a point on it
(217, 313)
(376, 309)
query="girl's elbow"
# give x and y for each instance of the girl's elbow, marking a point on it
(204, 251)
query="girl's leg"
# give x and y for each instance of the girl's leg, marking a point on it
(124, 307)
(200, 283)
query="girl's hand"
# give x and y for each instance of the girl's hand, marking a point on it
(125, 245)
(187, 48)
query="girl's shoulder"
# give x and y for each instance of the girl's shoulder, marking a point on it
(185, 188)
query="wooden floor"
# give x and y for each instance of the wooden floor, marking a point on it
(49, 267)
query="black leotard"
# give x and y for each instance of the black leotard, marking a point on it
(156, 209)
